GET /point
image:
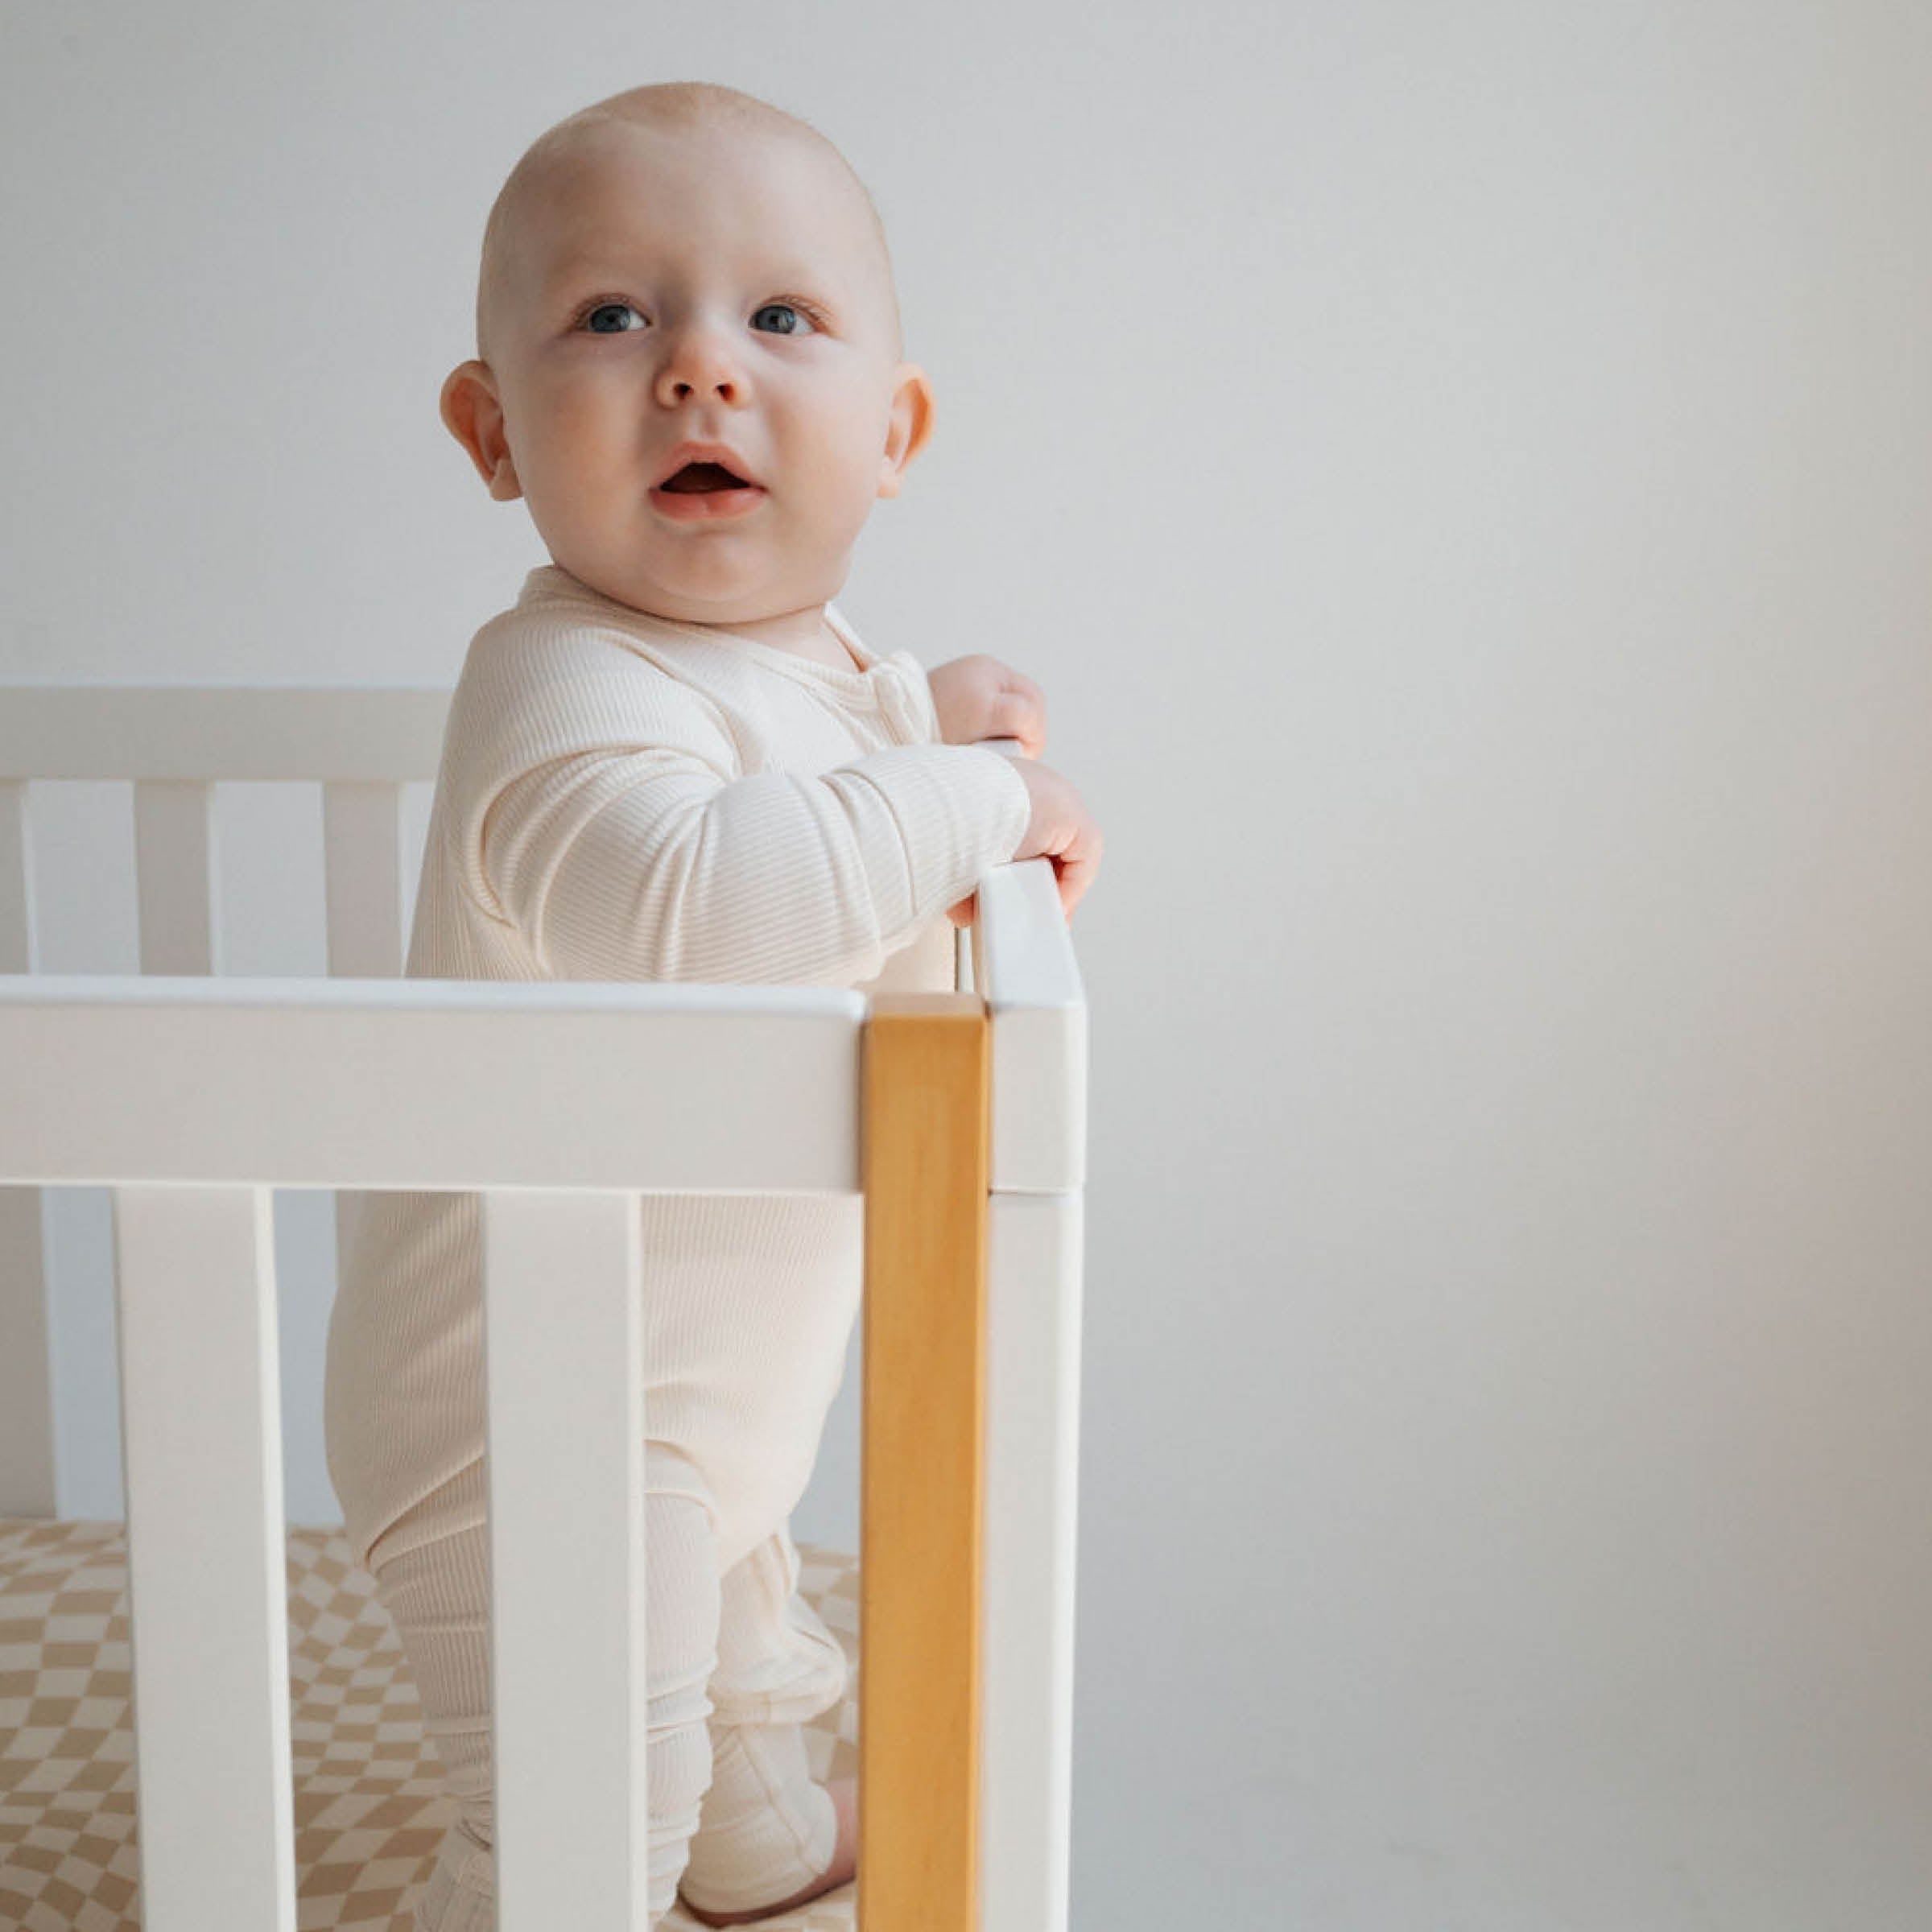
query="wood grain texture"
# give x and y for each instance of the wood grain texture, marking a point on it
(925, 1164)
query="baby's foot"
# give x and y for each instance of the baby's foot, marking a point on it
(844, 1793)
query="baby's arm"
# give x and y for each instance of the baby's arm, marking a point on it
(652, 861)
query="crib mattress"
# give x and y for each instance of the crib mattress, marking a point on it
(368, 1809)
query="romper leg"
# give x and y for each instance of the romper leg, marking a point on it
(767, 1829)
(435, 1590)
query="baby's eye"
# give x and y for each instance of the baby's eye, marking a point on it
(795, 309)
(799, 311)
(608, 308)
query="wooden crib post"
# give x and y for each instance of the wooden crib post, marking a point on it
(925, 1165)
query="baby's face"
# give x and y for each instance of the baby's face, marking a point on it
(665, 287)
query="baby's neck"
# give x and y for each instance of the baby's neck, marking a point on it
(806, 633)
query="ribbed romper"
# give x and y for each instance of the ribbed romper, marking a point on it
(622, 797)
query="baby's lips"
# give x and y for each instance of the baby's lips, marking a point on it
(724, 505)
(721, 454)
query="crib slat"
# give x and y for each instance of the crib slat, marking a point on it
(178, 886)
(1033, 1291)
(27, 1466)
(363, 887)
(563, 1353)
(20, 946)
(921, 1481)
(201, 1454)
(362, 871)
(27, 1419)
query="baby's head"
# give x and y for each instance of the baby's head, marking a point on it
(686, 263)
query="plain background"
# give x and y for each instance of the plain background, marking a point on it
(1462, 475)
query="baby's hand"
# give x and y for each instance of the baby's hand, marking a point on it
(978, 697)
(1061, 828)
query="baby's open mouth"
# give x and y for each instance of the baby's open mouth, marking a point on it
(702, 476)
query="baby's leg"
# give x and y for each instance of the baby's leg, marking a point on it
(767, 1832)
(436, 1593)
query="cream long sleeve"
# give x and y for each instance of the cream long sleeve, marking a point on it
(624, 797)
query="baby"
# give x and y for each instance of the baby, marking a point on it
(673, 758)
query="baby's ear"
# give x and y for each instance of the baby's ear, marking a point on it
(471, 413)
(910, 426)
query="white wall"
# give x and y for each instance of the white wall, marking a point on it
(1462, 475)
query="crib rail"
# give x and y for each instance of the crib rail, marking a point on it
(118, 1079)
(960, 1116)
(381, 734)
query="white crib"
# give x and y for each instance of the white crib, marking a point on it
(961, 1118)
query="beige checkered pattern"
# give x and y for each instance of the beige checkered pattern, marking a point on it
(370, 1808)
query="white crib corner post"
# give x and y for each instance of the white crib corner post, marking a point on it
(29, 1470)
(1033, 1288)
(563, 1328)
(1025, 968)
(207, 1590)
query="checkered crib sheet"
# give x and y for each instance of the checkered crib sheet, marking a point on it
(369, 1810)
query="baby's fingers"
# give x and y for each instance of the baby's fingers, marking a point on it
(1020, 712)
(1074, 871)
